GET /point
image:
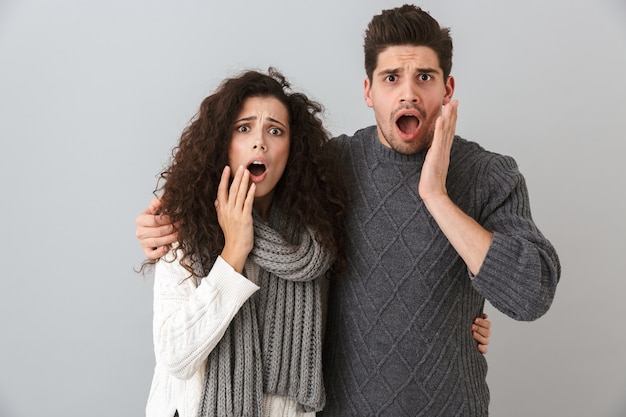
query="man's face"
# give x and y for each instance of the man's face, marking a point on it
(406, 92)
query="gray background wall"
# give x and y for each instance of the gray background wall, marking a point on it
(94, 94)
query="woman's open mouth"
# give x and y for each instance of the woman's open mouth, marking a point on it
(257, 170)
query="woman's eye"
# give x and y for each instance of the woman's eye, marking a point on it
(243, 128)
(275, 131)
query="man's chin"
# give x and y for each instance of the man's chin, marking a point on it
(410, 147)
(406, 146)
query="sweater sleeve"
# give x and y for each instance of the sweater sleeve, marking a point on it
(521, 270)
(189, 321)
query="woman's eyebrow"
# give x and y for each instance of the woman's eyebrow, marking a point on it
(271, 119)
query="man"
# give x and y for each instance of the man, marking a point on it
(435, 225)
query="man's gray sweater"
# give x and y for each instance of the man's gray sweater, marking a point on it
(398, 340)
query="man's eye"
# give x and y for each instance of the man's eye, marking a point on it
(425, 77)
(275, 131)
(391, 78)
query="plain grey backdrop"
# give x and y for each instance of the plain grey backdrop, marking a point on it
(94, 94)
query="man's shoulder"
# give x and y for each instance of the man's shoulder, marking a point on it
(356, 138)
(469, 156)
(466, 145)
(466, 148)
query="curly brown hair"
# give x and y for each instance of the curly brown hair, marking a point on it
(406, 25)
(311, 192)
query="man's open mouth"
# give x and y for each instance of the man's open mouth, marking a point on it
(408, 124)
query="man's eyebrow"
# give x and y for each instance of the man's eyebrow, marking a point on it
(389, 71)
(425, 70)
(250, 118)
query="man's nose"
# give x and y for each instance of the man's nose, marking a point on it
(409, 92)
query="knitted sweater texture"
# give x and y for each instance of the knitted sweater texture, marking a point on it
(398, 341)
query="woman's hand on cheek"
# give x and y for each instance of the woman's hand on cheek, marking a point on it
(234, 214)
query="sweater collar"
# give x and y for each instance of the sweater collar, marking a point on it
(384, 153)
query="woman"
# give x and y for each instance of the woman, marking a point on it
(237, 301)
(245, 276)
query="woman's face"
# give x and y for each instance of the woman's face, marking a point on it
(260, 143)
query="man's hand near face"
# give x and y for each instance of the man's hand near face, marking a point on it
(469, 239)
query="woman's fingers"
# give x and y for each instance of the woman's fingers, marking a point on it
(222, 189)
(241, 192)
(242, 179)
(234, 214)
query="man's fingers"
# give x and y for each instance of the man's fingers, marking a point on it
(482, 322)
(482, 327)
(155, 232)
(481, 331)
(146, 231)
(155, 253)
(152, 220)
(156, 241)
(154, 206)
(447, 127)
(480, 338)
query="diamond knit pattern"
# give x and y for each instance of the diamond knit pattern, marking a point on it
(398, 341)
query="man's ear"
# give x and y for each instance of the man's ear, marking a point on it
(367, 92)
(449, 90)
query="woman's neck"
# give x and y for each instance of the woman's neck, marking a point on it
(262, 206)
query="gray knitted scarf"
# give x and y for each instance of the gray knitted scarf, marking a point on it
(273, 345)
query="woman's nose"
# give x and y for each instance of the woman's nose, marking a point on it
(259, 144)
